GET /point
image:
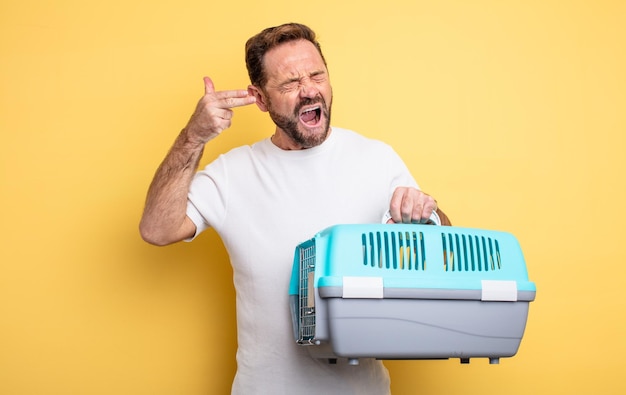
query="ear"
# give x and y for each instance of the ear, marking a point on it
(261, 102)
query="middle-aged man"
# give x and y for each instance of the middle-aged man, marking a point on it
(266, 198)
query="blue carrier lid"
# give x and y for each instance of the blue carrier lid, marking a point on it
(415, 261)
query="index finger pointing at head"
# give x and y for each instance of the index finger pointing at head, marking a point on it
(235, 98)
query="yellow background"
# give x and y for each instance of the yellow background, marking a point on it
(512, 113)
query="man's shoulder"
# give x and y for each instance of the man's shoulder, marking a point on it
(245, 150)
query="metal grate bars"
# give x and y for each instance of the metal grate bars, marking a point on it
(306, 303)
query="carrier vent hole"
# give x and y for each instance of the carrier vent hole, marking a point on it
(463, 253)
(394, 250)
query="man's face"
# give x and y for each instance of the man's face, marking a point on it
(298, 93)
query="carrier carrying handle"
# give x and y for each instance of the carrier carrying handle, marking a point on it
(433, 220)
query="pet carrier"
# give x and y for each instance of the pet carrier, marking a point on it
(410, 292)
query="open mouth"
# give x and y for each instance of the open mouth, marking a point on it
(311, 116)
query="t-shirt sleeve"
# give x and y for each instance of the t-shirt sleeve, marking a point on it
(206, 201)
(399, 174)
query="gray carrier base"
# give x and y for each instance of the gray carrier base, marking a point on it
(454, 325)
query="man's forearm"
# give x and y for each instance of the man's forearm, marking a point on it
(164, 216)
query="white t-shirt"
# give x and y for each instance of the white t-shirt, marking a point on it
(263, 201)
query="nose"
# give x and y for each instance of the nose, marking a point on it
(308, 89)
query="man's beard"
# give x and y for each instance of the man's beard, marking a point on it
(290, 123)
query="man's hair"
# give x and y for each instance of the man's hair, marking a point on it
(258, 45)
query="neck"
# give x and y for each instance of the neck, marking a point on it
(284, 142)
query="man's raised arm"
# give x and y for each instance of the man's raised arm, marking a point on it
(164, 220)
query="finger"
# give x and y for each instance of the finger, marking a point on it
(424, 209)
(401, 206)
(226, 114)
(395, 205)
(231, 96)
(417, 213)
(409, 205)
(208, 86)
(234, 98)
(430, 207)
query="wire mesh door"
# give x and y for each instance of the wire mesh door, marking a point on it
(306, 300)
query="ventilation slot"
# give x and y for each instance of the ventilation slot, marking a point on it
(470, 253)
(394, 250)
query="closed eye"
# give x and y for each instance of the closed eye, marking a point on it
(292, 84)
(289, 85)
(319, 76)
